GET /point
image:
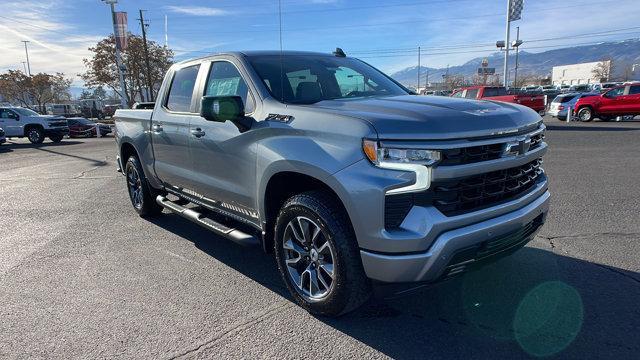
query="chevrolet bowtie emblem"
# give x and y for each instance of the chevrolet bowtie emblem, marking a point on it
(517, 147)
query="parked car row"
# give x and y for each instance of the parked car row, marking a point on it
(22, 122)
(614, 102)
(499, 93)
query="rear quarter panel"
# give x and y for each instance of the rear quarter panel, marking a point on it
(133, 127)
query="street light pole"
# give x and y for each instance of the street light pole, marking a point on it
(124, 102)
(26, 51)
(146, 57)
(506, 47)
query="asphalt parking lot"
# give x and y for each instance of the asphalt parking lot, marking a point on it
(81, 276)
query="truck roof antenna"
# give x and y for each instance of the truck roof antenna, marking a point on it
(281, 53)
(339, 53)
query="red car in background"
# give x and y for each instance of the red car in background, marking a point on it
(499, 93)
(81, 127)
(619, 101)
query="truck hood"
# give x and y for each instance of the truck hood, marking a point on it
(410, 117)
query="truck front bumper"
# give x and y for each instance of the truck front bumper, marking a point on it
(457, 250)
(56, 131)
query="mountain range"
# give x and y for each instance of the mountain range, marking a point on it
(623, 53)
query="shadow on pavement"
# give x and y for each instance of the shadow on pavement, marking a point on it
(589, 128)
(534, 303)
(28, 145)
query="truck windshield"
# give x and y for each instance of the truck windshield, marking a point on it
(26, 112)
(308, 79)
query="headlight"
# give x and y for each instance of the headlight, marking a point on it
(418, 161)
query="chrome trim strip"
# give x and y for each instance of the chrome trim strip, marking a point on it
(455, 144)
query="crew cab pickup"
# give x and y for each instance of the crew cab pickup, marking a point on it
(336, 168)
(498, 93)
(23, 122)
(618, 101)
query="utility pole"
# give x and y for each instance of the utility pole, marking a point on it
(418, 87)
(517, 45)
(26, 51)
(124, 102)
(146, 57)
(506, 48)
(166, 32)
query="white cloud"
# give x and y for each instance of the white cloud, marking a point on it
(52, 45)
(196, 10)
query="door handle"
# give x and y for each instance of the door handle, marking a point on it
(197, 132)
(156, 128)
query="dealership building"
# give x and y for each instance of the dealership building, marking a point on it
(576, 73)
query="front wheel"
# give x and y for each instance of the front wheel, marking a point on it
(318, 256)
(35, 135)
(143, 198)
(585, 114)
(56, 138)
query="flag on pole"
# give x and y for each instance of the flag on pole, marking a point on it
(121, 30)
(516, 10)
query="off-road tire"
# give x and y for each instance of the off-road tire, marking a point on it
(56, 138)
(351, 288)
(35, 135)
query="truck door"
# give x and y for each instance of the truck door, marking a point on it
(612, 101)
(633, 99)
(170, 129)
(224, 158)
(10, 123)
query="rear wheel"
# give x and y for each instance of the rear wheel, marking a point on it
(143, 198)
(317, 255)
(35, 135)
(585, 114)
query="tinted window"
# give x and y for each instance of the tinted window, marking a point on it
(307, 79)
(633, 90)
(615, 92)
(471, 94)
(181, 90)
(488, 92)
(224, 80)
(6, 114)
(26, 112)
(563, 99)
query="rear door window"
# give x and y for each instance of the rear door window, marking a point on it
(634, 90)
(181, 91)
(471, 94)
(564, 99)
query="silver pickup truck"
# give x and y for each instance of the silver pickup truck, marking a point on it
(346, 176)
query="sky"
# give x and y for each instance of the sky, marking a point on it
(383, 33)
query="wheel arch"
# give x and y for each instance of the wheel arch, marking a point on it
(126, 151)
(31, 126)
(279, 187)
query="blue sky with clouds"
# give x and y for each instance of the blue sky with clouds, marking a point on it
(450, 31)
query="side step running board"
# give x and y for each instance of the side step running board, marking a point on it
(234, 235)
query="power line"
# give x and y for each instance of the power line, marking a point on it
(426, 20)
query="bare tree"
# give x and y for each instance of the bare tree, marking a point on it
(36, 90)
(603, 70)
(102, 71)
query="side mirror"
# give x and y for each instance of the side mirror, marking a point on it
(222, 108)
